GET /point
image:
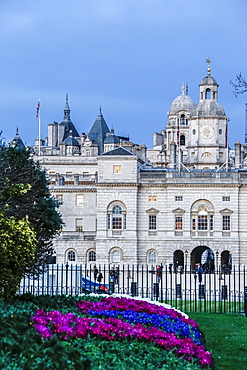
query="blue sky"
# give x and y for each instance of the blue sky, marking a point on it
(129, 56)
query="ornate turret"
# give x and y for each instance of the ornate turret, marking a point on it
(17, 141)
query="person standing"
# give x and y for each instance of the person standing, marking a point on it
(112, 275)
(200, 272)
(116, 275)
(159, 272)
(95, 272)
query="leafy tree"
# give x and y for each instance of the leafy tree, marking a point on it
(25, 189)
(17, 246)
(240, 86)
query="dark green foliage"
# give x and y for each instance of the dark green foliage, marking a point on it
(22, 348)
(24, 189)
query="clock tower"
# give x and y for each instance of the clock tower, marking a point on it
(207, 148)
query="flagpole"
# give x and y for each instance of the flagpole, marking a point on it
(39, 133)
(39, 125)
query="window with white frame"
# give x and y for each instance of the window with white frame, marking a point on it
(59, 198)
(116, 216)
(178, 222)
(202, 217)
(152, 257)
(71, 256)
(117, 169)
(91, 256)
(202, 222)
(152, 198)
(152, 222)
(79, 200)
(226, 222)
(79, 224)
(178, 198)
(226, 198)
(115, 256)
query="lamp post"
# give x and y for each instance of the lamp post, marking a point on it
(217, 256)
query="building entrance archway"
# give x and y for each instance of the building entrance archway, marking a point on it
(205, 256)
(178, 260)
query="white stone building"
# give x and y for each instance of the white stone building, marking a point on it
(184, 201)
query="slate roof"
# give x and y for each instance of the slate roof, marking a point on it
(119, 151)
(98, 132)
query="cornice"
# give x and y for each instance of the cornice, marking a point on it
(62, 190)
(199, 185)
(118, 185)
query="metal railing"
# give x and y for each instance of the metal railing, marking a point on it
(218, 291)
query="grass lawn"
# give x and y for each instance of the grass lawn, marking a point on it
(226, 338)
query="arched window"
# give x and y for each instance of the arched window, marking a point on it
(208, 94)
(152, 257)
(116, 216)
(71, 256)
(115, 255)
(182, 139)
(202, 218)
(91, 256)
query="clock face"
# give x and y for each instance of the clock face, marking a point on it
(207, 131)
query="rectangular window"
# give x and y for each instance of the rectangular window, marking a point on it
(59, 198)
(152, 222)
(202, 222)
(79, 200)
(116, 223)
(226, 199)
(178, 222)
(193, 223)
(117, 169)
(226, 222)
(178, 198)
(79, 224)
(152, 198)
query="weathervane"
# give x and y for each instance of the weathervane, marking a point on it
(209, 68)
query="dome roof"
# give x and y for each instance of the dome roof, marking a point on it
(111, 139)
(209, 109)
(182, 102)
(70, 140)
(208, 80)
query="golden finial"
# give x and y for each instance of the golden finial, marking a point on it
(209, 68)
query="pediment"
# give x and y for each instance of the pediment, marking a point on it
(152, 210)
(178, 210)
(226, 211)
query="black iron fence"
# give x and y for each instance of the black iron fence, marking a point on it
(186, 289)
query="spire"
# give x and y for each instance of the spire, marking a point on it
(66, 116)
(208, 61)
(66, 122)
(100, 112)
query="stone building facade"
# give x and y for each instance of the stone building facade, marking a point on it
(183, 201)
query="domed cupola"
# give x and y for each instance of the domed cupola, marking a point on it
(71, 141)
(208, 105)
(111, 138)
(182, 103)
(111, 141)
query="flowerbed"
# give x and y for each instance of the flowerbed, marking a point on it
(120, 319)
